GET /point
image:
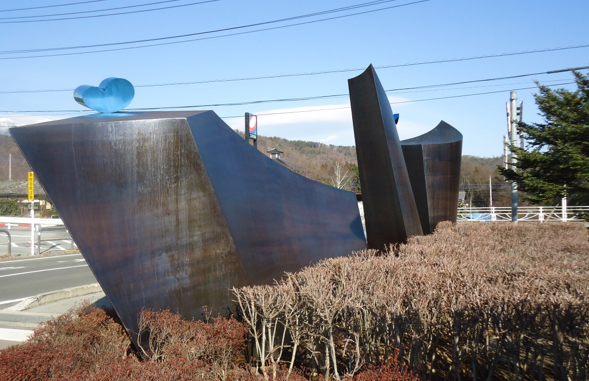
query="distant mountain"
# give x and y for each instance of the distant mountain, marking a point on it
(20, 167)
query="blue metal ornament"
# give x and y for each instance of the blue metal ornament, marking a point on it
(112, 95)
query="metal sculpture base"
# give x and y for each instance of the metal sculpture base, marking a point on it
(172, 209)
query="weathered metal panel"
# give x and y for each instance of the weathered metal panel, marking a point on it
(433, 161)
(389, 205)
(172, 209)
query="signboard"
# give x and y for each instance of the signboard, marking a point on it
(31, 186)
(253, 126)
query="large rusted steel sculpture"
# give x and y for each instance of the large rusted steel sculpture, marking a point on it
(390, 210)
(433, 162)
(172, 209)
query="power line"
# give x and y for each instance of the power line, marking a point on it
(337, 95)
(103, 10)
(91, 11)
(51, 6)
(196, 33)
(397, 102)
(335, 10)
(429, 90)
(328, 72)
(278, 100)
(391, 66)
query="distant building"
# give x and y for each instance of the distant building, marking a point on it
(19, 192)
(274, 153)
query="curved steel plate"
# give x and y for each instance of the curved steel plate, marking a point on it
(433, 161)
(172, 209)
(389, 205)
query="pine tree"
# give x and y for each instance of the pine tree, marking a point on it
(555, 161)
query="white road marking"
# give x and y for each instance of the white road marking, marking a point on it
(36, 259)
(9, 334)
(75, 260)
(12, 301)
(56, 245)
(41, 271)
(11, 268)
(14, 244)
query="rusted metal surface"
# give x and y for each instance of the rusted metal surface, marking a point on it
(433, 162)
(172, 209)
(389, 204)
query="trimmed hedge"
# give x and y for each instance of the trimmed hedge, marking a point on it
(472, 301)
(481, 301)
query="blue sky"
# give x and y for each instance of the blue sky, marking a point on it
(410, 33)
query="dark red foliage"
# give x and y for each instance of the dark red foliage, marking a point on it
(71, 346)
(387, 372)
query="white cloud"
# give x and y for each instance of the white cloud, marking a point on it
(327, 124)
(329, 138)
(8, 121)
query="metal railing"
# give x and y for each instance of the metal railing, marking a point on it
(9, 240)
(63, 228)
(524, 213)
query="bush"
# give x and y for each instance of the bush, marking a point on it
(214, 348)
(476, 301)
(472, 301)
(75, 345)
(8, 208)
(48, 213)
(90, 344)
(387, 372)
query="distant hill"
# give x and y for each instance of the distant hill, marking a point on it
(317, 161)
(20, 168)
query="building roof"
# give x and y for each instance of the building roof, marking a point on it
(274, 150)
(19, 189)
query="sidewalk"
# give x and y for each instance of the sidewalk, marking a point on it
(18, 322)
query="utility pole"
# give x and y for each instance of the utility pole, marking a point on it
(512, 130)
(505, 147)
(490, 192)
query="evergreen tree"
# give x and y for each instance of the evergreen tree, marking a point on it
(555, 161)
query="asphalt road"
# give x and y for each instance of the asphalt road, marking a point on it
(52, 239)
(23, 278)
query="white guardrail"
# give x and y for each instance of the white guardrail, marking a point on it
(28, 221)
(524, 213)
(37, 225)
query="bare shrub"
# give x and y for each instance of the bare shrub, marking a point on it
(192, 347)
(477, 301)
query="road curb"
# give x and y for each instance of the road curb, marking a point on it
(54, 296)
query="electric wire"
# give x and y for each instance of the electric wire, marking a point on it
(333, 95)
(90, 11)
(315, 14)
(244, 103)
(51, 6)
(274, 100)
(398, 102)
(109, 14)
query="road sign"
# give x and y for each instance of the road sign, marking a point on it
(31, 186)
